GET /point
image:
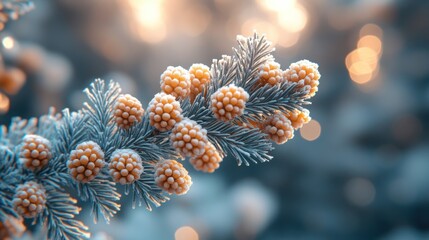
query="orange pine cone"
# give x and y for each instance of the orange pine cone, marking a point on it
(172, 177)
(125, 166)
(229, 102)
(35, 152)
(175, 81)
(305, 73)
(164, 112)
(199, 76)
(209, 161)
(128, 111)
(298, 118)
(278, 128)
(189, 138)
(29, 199)
(86, 161)
(270, 73)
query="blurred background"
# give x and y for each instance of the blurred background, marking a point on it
(358, 170)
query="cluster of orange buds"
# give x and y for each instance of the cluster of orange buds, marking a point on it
(172, 177)
(86, 161)
(128, 111)
(29, 199)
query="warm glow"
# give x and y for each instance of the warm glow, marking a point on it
(371, 29)
(262, 27)
(361, 77)
(360, 68)
(294, 19)
(277, 5)
(186, 233)
(4, 103)
(8, 42)
(288, 40)
(147, 12)
(196, 19)
(370, 41)
(147, 19)
(311, 131)
(363, 62)
(366, 55)
(291, 15)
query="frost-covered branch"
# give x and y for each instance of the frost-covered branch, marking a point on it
(238, 107)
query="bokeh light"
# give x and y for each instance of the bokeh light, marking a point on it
(261, 26)
(363, 62)
(372, 103)
(196, 18)
(288, 40)
(4, 103)
(311, 131)
(147, 19)
(370, 41)
(8, 42)
(186, 233)
(371, 29)
(291, 15)
(294, 19)
(287, 20)
(277, 5)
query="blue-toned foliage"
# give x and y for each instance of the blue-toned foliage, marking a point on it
(96, 122)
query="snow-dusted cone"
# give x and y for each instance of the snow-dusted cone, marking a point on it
(298, 118)
(35, 152)
(125, 166)
(86, 161)
(164, 112)
(172, 177)
(229, 102)
(278, 128)
(305, 73)
(189, 138)
(29, 199)
(175, 81)
(209, 161)
(270, 73)
(199, 76)
(128, 111)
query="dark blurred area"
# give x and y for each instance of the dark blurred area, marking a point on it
(358, 170)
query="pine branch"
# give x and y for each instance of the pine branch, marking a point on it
(3, 136)
(244, 144)
(147, 141)
(102, 195)
(97, 123)
(269, 99)
(74, 130)
(48, 124)
(18, 128)
(152, 146)
(223, 73)
(71, 132)
(10, 176)
(251, 54)
(59, 216)
(145, 190)
(100, 113)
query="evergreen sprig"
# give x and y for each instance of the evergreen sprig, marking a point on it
(241, 138)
